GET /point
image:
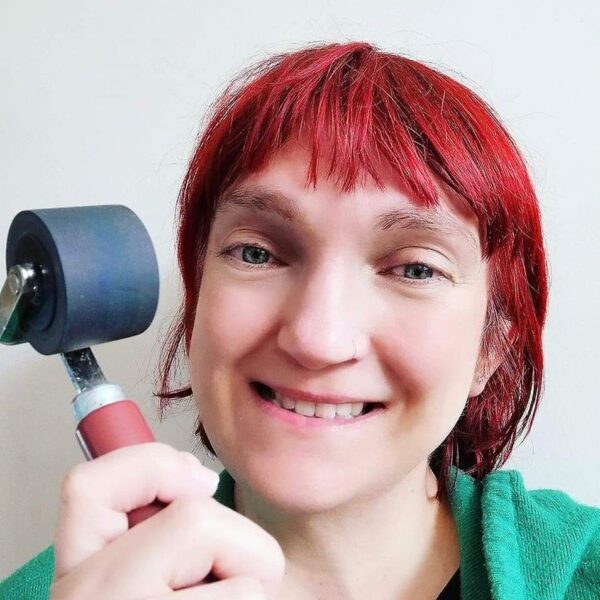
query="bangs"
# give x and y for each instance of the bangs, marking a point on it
(366, 112)
(341, 106)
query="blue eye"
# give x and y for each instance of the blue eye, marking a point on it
(418, 271)
(254, 256)
(251, 253)
(417, 274)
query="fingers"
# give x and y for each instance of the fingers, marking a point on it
(173, 551)
(97, 495)
(179, 547)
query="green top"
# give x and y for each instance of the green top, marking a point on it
(515, 544)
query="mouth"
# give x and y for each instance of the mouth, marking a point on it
(319, 411)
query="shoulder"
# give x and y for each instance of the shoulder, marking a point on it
(554, 510)
(555, 537)
(32, 580)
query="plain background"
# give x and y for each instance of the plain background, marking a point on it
(101, 104)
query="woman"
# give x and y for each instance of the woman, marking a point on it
(364, 296)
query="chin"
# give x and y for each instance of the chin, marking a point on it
(302, 489)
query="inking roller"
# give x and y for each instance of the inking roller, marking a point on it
(77, 277)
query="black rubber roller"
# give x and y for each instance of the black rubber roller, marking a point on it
(98, 275)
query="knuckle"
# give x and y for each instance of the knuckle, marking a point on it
(75, 485)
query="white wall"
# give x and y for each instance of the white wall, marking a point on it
(101, 102)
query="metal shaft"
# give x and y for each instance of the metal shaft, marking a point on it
(83, 370)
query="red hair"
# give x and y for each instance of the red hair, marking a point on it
(366, 105)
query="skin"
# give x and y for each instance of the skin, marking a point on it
(352, 509)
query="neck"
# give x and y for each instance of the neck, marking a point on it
(399, 541)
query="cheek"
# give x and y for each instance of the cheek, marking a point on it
(436, 345)
(230, 320)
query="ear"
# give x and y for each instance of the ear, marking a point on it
(491, 358)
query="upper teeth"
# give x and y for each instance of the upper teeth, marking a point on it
(320, 409)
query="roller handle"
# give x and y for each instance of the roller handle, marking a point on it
(114, 426)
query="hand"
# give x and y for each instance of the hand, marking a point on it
(98, 558)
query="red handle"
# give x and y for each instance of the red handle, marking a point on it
(114, 426)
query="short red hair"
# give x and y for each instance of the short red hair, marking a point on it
(366, 105)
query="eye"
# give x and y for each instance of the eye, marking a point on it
(416, 273)
(251, 252)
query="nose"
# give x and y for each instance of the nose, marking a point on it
(322, 322)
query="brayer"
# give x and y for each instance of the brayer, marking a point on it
(77, 277)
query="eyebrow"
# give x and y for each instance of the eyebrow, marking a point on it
(263, 200)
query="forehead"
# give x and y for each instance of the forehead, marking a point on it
(280, 192)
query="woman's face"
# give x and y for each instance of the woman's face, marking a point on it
(411, 295)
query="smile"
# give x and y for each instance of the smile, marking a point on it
(311, 414)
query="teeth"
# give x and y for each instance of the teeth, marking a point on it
(322, 410)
